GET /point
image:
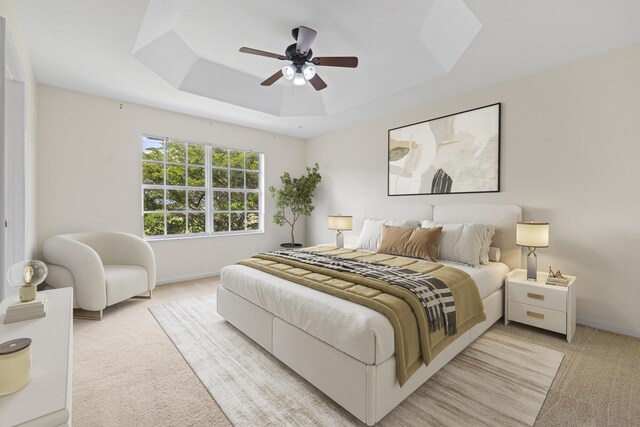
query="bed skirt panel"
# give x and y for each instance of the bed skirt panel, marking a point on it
(253, 321)
(336, 374)
(368, 392)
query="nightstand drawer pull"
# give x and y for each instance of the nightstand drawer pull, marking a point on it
(534, 314)
(540, 317)
(536, 296)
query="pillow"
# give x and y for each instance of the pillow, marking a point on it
(463, 242)
(494, 254)
(370, 236)
(484, 255)
(411, 242)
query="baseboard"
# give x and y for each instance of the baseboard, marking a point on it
(605, 327)
(186, 278)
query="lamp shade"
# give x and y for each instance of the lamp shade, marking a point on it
(288, 72)
(298, 79)
(309, 71)
(340, 222)
(30, 273)
(532, 234)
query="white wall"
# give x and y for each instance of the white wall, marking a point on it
(570, 151)
(89, 175)
(7, 10)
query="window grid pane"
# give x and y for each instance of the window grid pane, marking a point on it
(200, 189)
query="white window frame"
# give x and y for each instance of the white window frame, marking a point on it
(208, 189)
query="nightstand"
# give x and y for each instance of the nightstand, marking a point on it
(538, 304)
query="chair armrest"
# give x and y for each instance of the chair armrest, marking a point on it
(84, 264)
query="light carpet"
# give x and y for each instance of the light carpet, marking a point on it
(498, 380)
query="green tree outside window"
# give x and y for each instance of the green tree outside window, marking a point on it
(181, 180)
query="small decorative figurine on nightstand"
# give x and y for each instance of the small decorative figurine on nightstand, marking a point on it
(556, 278)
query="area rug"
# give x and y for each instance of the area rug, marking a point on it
(498, 380)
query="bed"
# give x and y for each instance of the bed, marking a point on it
(347, 350)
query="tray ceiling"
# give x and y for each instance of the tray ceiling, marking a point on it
(183, 55)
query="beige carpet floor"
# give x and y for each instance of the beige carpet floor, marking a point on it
(127, 372)
(497, 381)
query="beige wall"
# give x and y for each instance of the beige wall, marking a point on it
(89, 175)
(570, 152)
(570, 143)
(7, 11)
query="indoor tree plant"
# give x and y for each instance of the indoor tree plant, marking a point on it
(295, 199)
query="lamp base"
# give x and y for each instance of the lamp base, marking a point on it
(532, 265)
(339, 240)
(28, 293)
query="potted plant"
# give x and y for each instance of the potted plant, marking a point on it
(294, 199)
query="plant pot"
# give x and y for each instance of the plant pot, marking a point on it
(291, 245)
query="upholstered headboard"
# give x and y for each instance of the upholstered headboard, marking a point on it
(502, 217)
(417, 212)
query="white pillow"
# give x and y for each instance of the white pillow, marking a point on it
(463, 242)
(494, 254)
(484, 255)
(370, 236)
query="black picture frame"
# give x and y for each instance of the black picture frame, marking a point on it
(441, 179)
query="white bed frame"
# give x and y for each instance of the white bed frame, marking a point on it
(369, 392)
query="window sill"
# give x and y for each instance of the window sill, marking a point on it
(201, 236)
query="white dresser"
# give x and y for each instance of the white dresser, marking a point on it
(46, 400)
(538, 304)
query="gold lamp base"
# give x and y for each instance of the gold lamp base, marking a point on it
(28, 292)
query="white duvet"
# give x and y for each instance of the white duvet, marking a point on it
(356, 330)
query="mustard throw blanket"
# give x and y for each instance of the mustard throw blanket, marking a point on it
(415, 342)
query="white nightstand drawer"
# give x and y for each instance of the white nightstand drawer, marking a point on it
(539, 317)
(540, 296)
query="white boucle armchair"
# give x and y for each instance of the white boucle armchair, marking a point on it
(104, 268)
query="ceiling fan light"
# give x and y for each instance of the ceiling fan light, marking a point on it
(288, 71)
(299, 80)
(309, 71)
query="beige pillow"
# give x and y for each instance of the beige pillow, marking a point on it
(411, 242)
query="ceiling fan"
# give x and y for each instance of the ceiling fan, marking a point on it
(303, 65)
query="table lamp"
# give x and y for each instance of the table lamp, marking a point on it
(340, 223)
(27, 275)
(532, 235)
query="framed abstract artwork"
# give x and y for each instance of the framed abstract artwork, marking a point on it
(459, 153)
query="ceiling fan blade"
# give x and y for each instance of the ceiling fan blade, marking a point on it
(271, 80)
(306, 36)
(336, 61)
(261, 53)
(317, 82)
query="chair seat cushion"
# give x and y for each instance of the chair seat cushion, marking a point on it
(124, 282)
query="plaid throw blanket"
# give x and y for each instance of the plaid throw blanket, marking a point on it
(434, 295)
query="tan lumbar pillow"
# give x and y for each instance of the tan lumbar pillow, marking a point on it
(411, 242)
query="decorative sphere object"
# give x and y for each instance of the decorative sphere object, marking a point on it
(27, 275)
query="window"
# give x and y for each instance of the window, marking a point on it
(199, 189)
